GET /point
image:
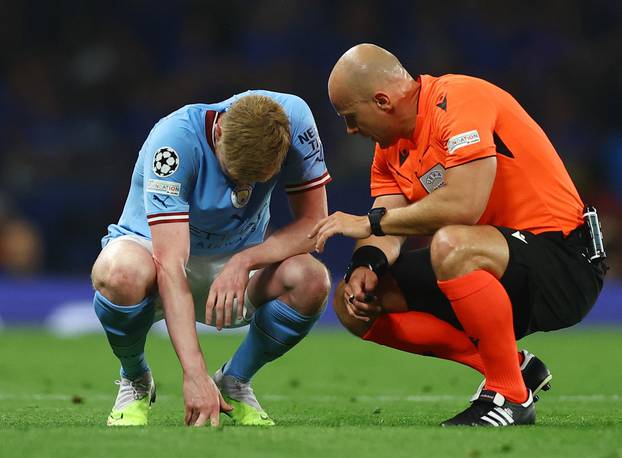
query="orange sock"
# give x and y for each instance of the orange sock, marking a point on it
(484, 309)
(424, 334)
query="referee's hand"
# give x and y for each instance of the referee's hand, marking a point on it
(356, 227)
(359, 298)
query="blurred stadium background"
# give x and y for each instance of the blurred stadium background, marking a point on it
(81, 84)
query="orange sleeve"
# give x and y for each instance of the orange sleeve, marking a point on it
(467, 126)
(382, 180)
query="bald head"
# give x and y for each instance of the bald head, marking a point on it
(363, 70)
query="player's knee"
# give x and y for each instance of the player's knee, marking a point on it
(308, 281)
(123, 282)
(356, 327)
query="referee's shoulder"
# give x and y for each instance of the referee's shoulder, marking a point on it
(457, 83)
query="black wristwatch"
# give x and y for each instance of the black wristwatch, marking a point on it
(375, 215)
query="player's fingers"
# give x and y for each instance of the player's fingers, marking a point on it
(228, 308)
(220, 305)
(201, 420)
(240, 295)
(215, 417)
(209, 307)
(187, 416)
(194, 415)
(224, 406)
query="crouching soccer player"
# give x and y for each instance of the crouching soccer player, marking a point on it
(458, 158)
(190, 246)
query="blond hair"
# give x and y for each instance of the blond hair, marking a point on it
(255, 138)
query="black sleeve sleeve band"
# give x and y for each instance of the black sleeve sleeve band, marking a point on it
(368, 256)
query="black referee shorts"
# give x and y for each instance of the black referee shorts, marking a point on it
(549, 280)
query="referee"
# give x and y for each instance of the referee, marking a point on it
(511, 254)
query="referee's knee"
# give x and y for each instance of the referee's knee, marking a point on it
(449, 251)
(458, 250)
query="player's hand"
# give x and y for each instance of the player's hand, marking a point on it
(356, 227)
(230, 284)
(359, 297)
(203, 401)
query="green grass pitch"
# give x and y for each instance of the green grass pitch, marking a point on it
(333, 395)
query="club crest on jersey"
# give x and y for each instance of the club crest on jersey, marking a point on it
(165, 162)
(433, 178)
(241, 195)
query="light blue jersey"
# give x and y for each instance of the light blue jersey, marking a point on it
(178, 178)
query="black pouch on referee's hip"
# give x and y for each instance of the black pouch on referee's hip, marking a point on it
(596, 246)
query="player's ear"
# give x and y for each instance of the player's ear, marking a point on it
(382, 101)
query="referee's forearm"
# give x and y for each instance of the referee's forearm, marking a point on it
(428, 215)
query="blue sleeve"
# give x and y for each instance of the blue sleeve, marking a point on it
(170, 168)
(304, 166)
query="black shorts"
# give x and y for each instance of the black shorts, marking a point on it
(548, 279)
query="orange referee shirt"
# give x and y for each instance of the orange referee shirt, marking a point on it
(462, 119)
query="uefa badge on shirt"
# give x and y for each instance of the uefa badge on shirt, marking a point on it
(241, 195)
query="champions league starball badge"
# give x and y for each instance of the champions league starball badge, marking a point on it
(241, 195)
(165, 162)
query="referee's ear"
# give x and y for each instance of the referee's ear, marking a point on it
(383, 101)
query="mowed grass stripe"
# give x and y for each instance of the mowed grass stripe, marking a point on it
(332, 396)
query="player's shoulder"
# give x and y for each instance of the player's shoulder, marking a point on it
(283, 98)
(182, 132)
(185, 122)
(296, 108)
